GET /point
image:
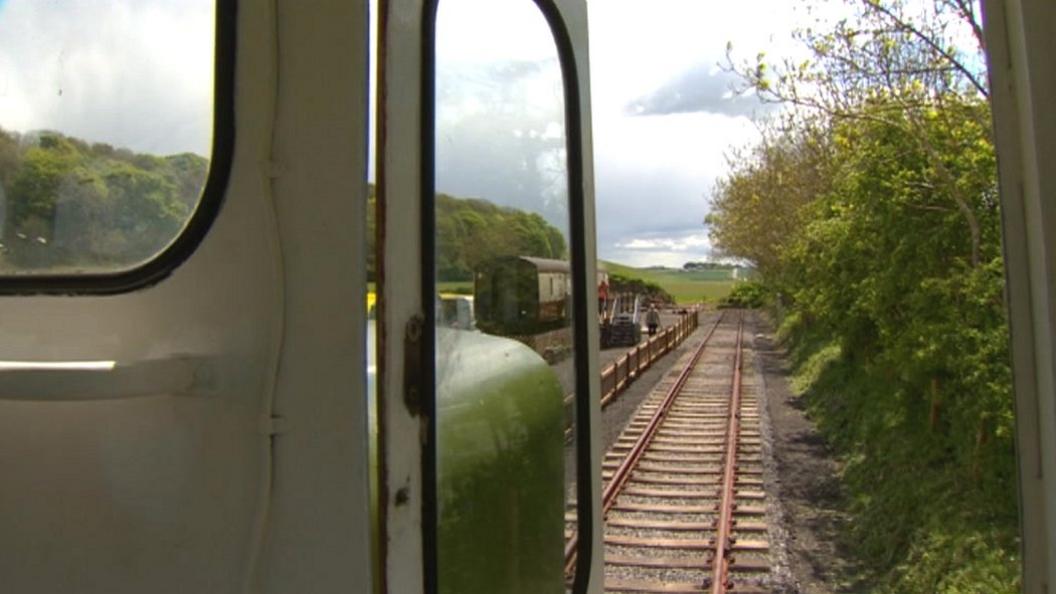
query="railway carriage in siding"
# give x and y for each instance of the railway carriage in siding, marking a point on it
(524, 295)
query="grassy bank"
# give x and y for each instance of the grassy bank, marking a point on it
(922, 521)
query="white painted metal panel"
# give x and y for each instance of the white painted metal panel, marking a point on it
(225, 450)
(399, 287)
(1021, 45)
(399, 200)
(317, 532)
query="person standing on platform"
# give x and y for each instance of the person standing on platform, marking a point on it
(652, 320)
(603, 298)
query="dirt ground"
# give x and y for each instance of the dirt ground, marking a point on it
(805, 479)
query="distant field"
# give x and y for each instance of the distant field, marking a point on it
(684, 286)
(667, 275)
(694, 291)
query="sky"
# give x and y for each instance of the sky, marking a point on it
(135, 73)
(139, 74)
(664, 113)
(500, 108)
(664, 117)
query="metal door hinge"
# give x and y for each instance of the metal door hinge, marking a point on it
(413, 365)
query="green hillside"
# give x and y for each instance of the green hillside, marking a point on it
(471, 232)
(686, 286)
(67, 204)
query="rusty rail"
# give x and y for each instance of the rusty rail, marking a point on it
(639, 359)
(721, 561)
(616, 483)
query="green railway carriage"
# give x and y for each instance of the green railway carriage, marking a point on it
(518, 295)
(522, 295)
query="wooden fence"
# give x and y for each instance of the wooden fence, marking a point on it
(619, 374)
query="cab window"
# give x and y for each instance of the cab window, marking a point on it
(106, 129)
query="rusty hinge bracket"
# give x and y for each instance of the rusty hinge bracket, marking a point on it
(412, 364)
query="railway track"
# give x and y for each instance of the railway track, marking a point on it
(683, 496)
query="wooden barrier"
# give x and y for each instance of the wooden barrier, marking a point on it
(624, 370)
(619, 374)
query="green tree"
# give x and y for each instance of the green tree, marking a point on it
(471, 231)
(31, 201)
(879, 187)
(71, 204)
(756, 210)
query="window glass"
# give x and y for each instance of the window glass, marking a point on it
(106, 119)
(504, 362)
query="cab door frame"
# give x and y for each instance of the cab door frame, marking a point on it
(1021, 45)
(405, 283)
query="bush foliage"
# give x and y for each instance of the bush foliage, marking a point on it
(650, 291)
(472, 231)
(872, 216)
(66, 203)
(745, 295)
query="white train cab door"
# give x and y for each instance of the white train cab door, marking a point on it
(1021, 46)
(419, 139)
(190, 418)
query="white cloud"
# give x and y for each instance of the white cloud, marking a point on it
(638, 46)
(685, 243)
(653, 173)
(500, 108)
(514, 29)
(137, 74)
(667, 248)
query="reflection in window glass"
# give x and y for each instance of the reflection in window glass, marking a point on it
(105, 128)
(504, 343)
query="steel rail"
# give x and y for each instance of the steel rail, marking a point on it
(609, 398)
(720, 562)
(623, 472)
